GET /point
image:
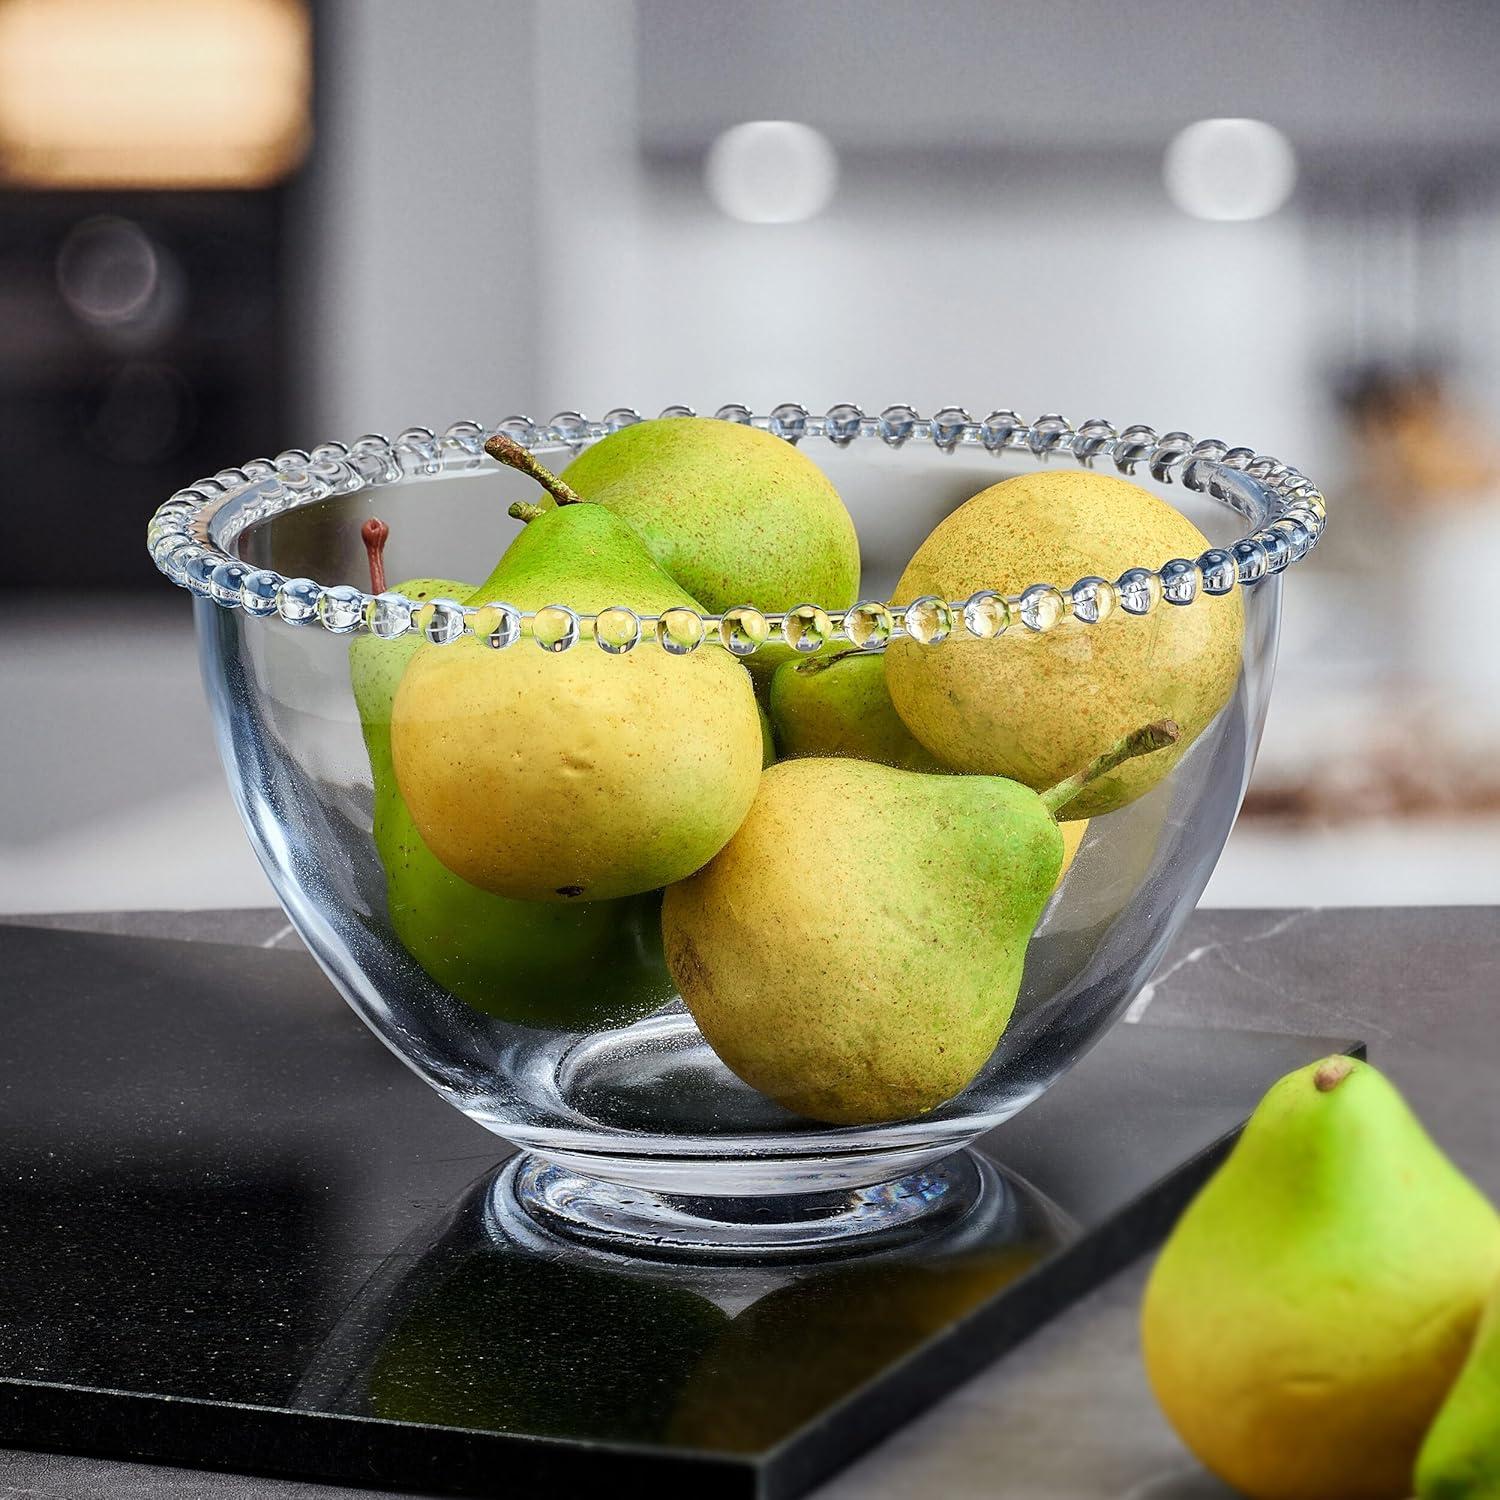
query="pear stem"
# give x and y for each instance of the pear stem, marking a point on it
(822, 660)
(374, 534)
(1143, 741)
(1332, 1073)
(524, 510)
(513, 455)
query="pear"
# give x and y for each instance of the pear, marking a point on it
(1072, 832)
(576, 775)
(543, 964)
(1316, 1301)
(1460, 1457)
(836, 703)
(855, 951)
(1032, 705)
(734, 514)
(767, 736)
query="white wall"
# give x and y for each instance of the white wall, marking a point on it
(1100, 304)
(419, 302)
(490, 236)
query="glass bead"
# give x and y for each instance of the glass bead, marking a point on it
(1179, 581)
(442, 621)
(929, 620)
(986, 615)
(1094, 600)
(949, 426)
(744, 630)
(554, 627)
(297, 600)
(807, 627)
(341, 609)
(842, 423)
(1139, 590)
(388, 615)
(789, 421)
(504, 626)
(617, 630)
(868, 624)
(224, 583)
(1042, 607)
(680, 631)
(1250, 559)
(896, 423)
(1217, 569)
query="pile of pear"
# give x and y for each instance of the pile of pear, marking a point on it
(1324, 1321)
(837, 857)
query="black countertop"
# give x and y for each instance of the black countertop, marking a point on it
(1068, 1416)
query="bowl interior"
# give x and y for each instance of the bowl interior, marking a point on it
(646, 1105)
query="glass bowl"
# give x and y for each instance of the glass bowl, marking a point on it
(633, 1132)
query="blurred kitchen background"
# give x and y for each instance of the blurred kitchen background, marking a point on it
(228, 227)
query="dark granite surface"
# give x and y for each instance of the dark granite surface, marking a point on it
(1067, 1417)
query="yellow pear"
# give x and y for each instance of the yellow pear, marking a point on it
(576, 775)
(1072, 837)
(1032, 706)
(1313, 1306)
(734, 514)
(854, 952)
(1460, 1457)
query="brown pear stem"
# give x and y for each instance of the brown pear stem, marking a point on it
(1332, 1073)
(820, 661)
(524, 510)
(1143, 741)
(513, 455)
(374, 534)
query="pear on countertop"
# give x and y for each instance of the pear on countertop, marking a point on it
(1460, 1457)
(1313, 1306)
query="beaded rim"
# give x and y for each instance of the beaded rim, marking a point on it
(189, 532)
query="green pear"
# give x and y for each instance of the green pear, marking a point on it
(1460, 1457)
(734, 514)
(855, 950)
(1031, 705)
(1313, 1306)
(767, 736)
(575, 775)
(543, 964)
(836, 703)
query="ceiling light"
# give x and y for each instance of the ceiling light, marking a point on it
(1230, 169)
(772, 172)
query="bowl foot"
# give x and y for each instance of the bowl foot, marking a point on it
(642, 1221)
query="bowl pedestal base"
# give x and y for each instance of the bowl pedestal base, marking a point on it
(644, 1221)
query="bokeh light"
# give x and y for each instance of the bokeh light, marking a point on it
(772, 172)
(1231, 169)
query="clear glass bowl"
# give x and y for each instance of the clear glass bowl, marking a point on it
(634, 1132)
